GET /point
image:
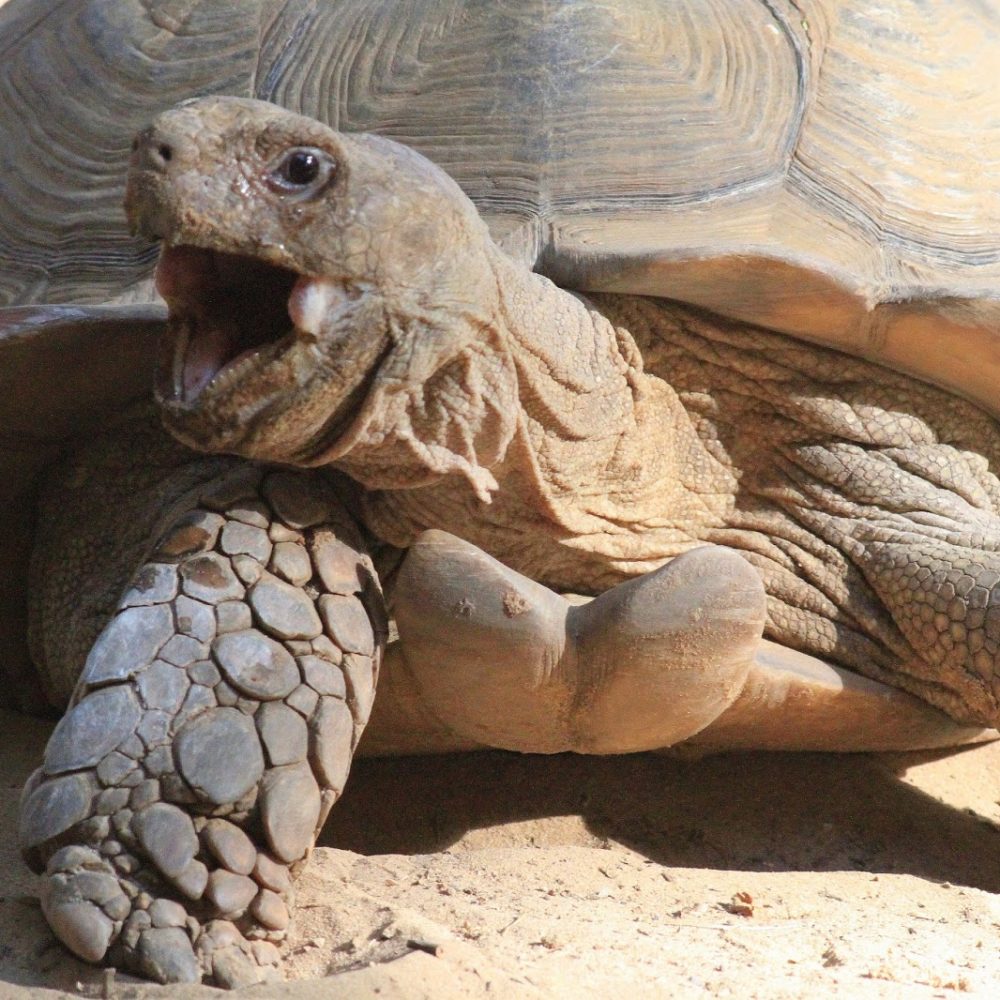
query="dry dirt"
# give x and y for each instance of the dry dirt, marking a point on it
(498, 875)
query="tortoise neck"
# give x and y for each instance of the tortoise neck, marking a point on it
(580, 462)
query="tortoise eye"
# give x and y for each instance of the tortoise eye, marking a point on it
(304, 171)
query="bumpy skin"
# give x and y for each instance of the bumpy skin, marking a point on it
(357, 317)
(213, 724)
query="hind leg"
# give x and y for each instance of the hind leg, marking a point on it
(945, 601)
(211, 731)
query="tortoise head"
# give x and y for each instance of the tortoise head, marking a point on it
(306, 272)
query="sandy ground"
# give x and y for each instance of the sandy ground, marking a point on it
(498, 875)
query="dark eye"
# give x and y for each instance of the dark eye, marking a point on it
(300, 168)
(301, 171)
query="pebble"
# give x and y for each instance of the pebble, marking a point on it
(256, 665)
(195, 532)
(283, 610)
(128, 644)
(195, 618)
(347, 624)
(336, 563)
(234, 970)
(289, 810)
(165, 955)
(323, 677)
(209, 577)
(53, 807)
(297, 499)
(233, 616)
(332, 729)
(219, 755)
(155, 583)
(230, 846)
(168, 836)
(92, 729)
(71, 857)
(118, 908)
(244, 539)
(158, 762)
(230, 893)
(162, 685)
(291, 562)
(270, 910)
(283, 732)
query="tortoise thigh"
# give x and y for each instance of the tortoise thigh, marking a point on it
(211, 731)
(944, 597)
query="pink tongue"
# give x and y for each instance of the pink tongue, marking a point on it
(206, 354)
(184, 271)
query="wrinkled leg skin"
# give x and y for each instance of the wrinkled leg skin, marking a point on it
(210, 733)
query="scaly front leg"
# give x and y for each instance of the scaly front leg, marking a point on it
(211, 731)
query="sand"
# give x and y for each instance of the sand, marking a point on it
(499, 875)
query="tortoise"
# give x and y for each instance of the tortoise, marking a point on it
(375, 404)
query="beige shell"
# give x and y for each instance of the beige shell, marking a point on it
(829, 168)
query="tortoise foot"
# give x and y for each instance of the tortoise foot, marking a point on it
(505, 662)
(212, 730)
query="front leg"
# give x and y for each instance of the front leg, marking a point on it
(211, 731)
(502, 661)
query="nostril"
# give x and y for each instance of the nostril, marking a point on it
(166, 153)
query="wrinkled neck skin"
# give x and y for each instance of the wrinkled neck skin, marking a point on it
(542, 441)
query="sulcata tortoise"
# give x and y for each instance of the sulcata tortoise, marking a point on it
(374, 404)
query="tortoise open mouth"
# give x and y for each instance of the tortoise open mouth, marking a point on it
(227, 313)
